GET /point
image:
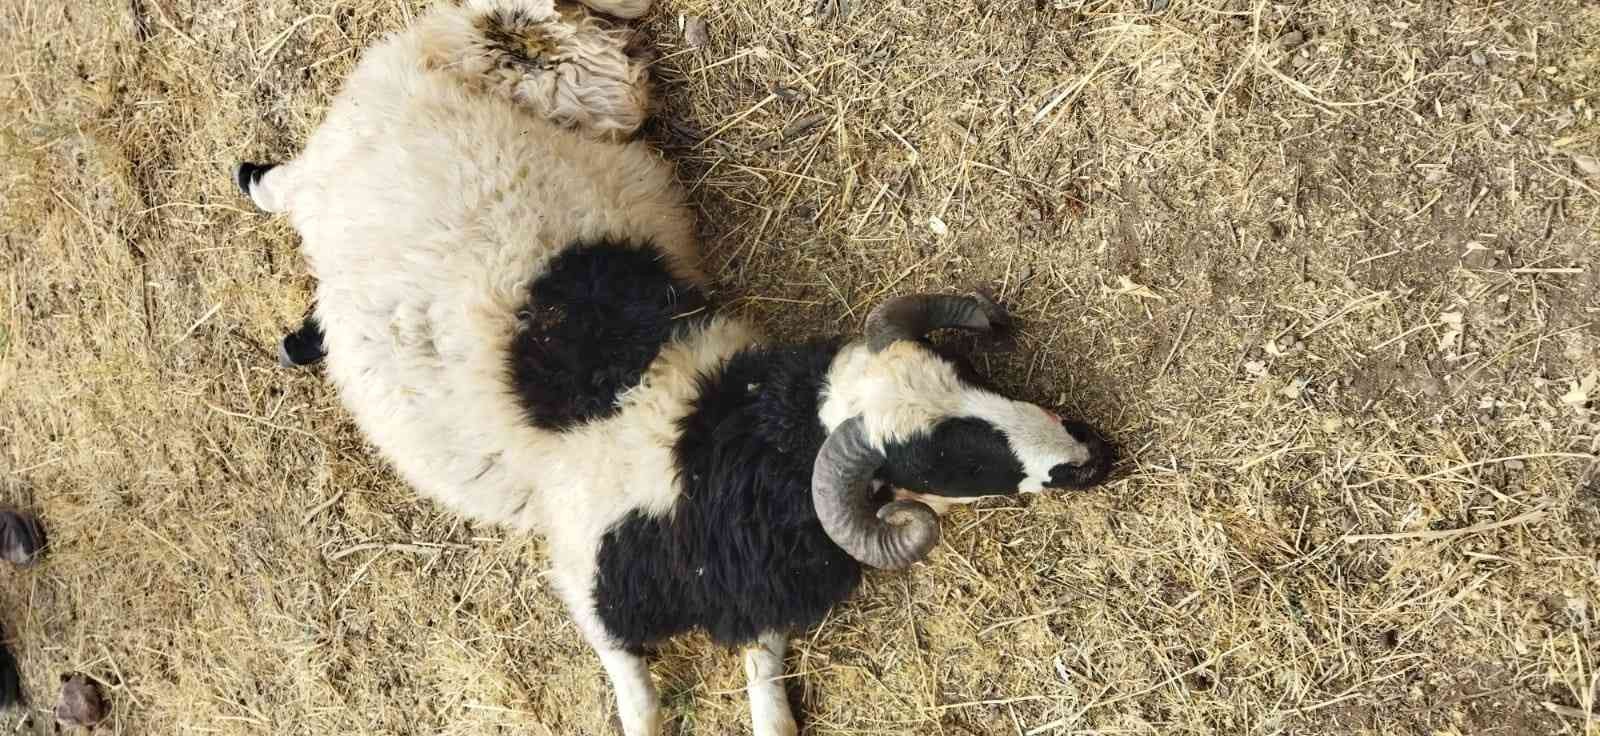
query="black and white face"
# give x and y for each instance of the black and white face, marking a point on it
(949, 438)
(900, 413)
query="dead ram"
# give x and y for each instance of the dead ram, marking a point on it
(510, 304)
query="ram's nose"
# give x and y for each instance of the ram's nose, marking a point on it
(1091, 472)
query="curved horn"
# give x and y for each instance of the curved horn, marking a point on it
(912, 316)
(889, 538)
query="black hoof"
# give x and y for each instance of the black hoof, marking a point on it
(247, 175)
(294, 351)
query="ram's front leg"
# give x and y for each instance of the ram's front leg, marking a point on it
(638, 706)
(769, 702)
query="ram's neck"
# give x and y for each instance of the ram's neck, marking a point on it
(741, 553)
(774, 392)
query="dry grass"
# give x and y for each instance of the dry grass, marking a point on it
(1320, 267)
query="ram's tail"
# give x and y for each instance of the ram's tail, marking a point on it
(560, 61)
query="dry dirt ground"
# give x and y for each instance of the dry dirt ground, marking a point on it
(1327, 271)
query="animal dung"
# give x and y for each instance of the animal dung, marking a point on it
(22, 538)
(80, 703)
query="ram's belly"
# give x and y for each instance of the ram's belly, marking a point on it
(425, 381)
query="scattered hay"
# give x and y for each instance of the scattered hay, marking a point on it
(1327, 270)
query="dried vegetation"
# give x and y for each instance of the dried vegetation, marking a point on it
(1328, 270)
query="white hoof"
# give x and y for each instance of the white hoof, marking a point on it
(638, 719)
(776, 724)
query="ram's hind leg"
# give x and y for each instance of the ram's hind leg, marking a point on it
(303, 346)
(769, 702)
(267, 185)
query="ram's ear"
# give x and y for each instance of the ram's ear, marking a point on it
(957, 353)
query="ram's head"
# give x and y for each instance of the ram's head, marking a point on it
(923, 422)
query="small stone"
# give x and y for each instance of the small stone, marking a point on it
(22, 538)
(80, 703)
(1292, 40)
(1513, 465)
(1478, 59)
(696, 32)
(1589, 165)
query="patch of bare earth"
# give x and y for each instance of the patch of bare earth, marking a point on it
(1327, 270)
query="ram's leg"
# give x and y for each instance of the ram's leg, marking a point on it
(638, 707)
(769, 703)
(303, 346)
(266, 185)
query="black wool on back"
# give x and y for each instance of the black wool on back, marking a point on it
(743, 552)
(594, 321)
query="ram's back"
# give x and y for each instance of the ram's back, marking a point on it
(426, 210)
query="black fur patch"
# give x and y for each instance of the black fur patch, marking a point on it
(1101, 457)
(743, 552)
(303, 346)
(593, 322)
(248, 174)
(962, 457)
